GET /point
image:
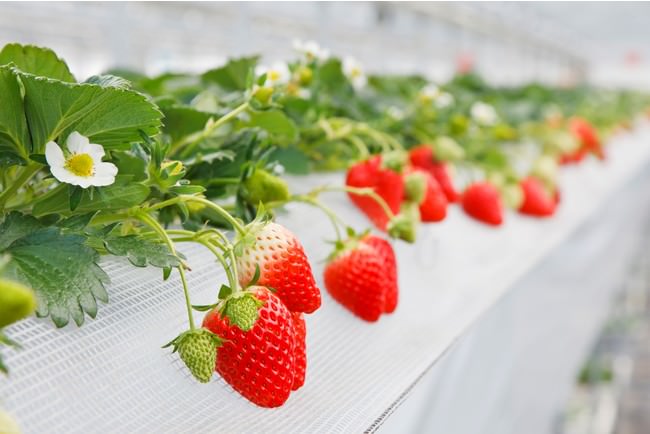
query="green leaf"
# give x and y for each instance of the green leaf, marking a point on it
(15, 142)
(281, 129)
(114, 197)
(233, 75)
(109, 81)
(77, 223)
(62, 271)
(75, 193)
(15, 226)
(141, 252)
(182, 121)
(36, 60)
(109, 116)
(294, 161)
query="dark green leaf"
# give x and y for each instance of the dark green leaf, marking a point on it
(15, 142)
(181, 121)
(75, 194)
(36, 60)
(141, 252)
(109, 116)
(114, 197)
(77, 223)
(15, 226)
(63, 273)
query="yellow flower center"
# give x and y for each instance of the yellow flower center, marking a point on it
(80, 164)
(274, 75)
(355, 72)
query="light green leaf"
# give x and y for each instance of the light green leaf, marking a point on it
(109, 116)
(15, 226)
(294, 161)
(281, 129)
(36, 60)
(15, 142)
(115, 197)
(141, 252)
(233, 75)
(62, 271)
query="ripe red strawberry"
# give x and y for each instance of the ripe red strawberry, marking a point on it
(537, 202)
(434, 206)
(283, 266)
(300, 351)
(481, 200)
(386, 182)
(362, 277)
(386, 252)
(423, 158)
(258, 363)
(589, 140)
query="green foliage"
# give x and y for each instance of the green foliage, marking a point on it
(141, 251)
(233, 76)
(36, 60)
(62, 270)
(15, 141)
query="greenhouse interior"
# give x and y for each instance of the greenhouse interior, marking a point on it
(325, 217)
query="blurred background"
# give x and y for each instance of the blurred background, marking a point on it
(558, 43)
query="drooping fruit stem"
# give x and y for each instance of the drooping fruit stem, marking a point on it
(153, 224)
(360, 191)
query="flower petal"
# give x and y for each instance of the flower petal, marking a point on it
(105, 169)
(77, 143)
(60, 173)
(54, 155)
(95, 151)
(102, 181)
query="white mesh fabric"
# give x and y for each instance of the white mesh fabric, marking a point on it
(112, 376)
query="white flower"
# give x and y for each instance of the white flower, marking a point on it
(444, 100)
(429, 93)
(483, 114)
(354, 71)
(83, 165)
(277, 74)
(304, 93)
(395, 112)
(311, 50)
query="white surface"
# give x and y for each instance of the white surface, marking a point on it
(112, 376)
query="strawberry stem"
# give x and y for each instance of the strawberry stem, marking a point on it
(153, 224)
(190, 142)
(366, 191)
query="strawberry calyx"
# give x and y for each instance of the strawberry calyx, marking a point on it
(404, 225)
(415, 186)
(341, 247)
(394, 160)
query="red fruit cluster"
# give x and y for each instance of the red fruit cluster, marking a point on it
(588, 139)
(362, 276)
(482, 201)
(268, 361)
(537, 201)
(385, 182)
(422, 157)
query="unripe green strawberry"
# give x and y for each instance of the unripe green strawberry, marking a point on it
(198, 350)
(415, 186)
(263, 94)
(7, 423)
(404, 225)
(447, 149)
(264, 187)
(546, 170)
(305, 75)
(513, 195)
(16, 302)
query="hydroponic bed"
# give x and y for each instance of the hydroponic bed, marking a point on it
(110, 375)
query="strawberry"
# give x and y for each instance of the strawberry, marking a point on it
(198, 349)
(589, 140)
(422, 157)
(361, 275)
(386, 252)
(434, 206)
(300, 351)
(387, 183)
(481, 200)
(262, 186)
(537, 202)
(259, 363)
(282, 263)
